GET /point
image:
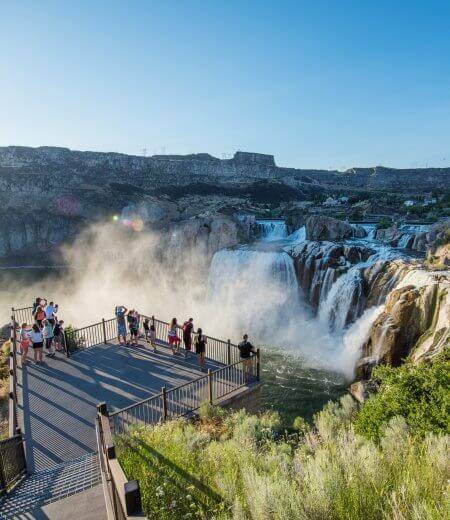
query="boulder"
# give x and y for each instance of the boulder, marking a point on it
(321, 227)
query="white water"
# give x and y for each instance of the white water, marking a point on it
(272, 229)
(298, 236)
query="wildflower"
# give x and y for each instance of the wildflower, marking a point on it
(159, 491)
(189, 497)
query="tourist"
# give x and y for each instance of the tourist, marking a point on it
(37, 342)
(246, 349)
(133, 326)
(200, 349)
(188, 327)
(36, 304)
(50, 313)
(120, 313)
(48, 335)
(39, 315)
(174, 340)
(58, 332)
(25, 341)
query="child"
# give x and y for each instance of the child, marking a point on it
(48, 336)
(58, 331)
(25, 342)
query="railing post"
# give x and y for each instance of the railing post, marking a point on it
(228, 352)
(13, 372)
(258, 364)
(164, 397)
(210, 386)
(153, 320)
(66, 344)
(104, 330)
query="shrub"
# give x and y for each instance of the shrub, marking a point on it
(246, 470)
(419, 393)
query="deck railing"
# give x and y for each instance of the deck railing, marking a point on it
(183, 400)
(123, 497)
(12, 452)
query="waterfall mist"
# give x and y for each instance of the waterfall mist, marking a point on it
(238, 291)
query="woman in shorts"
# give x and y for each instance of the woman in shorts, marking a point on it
(174, 340)
(200, 349)
(37, 342)
(25, 342)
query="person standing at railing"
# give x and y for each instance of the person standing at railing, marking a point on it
(246, 349)
(59, 334)
(48, 334)
(188, 328)
(50, 313)
(174, 340)
(200, 348)
(150, 333)
(25, 341)
(120, 313)
(37, 342)
(39, 315)
(133, 326)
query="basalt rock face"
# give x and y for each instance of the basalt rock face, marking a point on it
(320, 264)
(320, 227)
(414, 323)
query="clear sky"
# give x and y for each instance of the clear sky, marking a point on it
(316, 83)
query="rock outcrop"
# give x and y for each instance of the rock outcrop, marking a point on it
(415, 322)
(321, 227)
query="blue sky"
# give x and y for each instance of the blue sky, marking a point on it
(316, 83)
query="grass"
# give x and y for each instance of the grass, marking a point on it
(247, 467)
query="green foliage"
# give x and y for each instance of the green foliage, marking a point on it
(240, 466)
(419, 393)
(385, 223)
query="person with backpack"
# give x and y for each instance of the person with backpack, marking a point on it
(246, 349)
(188, 327)
(37, 343)
(200, 349)
(120, 313)
(150, 333)
(48, 335)
(174, 340)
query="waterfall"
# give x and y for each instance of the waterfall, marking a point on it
(298, 235)
(253, 291)
(406, 241)
(371, 230)
(272, 229)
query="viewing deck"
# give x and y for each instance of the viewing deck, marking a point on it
(58, 400)
(54, 409)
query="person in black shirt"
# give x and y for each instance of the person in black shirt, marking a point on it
(200, 348)
(246, 349)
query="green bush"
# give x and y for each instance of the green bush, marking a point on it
(240, 466)
(384, 223)
(419, 393)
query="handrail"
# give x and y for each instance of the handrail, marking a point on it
(123, 496)
(206, 376)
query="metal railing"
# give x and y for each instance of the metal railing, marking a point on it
(187, 398)
(12, 461)
(123, 497)
(86, 337)
(12, 452)
(23, 315)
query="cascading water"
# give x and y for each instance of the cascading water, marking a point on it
(254, 290)
(272, 229)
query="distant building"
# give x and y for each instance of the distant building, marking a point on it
(343, 200)
(409, 202)
(331, 202)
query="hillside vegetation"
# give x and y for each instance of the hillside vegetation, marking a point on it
(379, 462)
